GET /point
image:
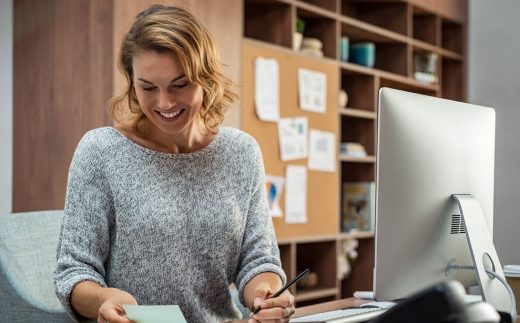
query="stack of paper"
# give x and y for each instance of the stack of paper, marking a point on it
(512, 270)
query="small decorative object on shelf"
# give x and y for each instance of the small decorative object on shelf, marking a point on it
(363, 54)
(309, 281)
(425, 67)
(342, 99)
(358, 212)
(344, 48)
(298, 34)
(347, 257)
(353, 149)
(312, 47)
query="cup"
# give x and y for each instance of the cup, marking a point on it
(363, 54)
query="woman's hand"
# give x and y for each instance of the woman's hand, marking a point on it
(111, 310)
(277, 309)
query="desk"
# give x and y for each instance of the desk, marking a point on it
(323, 307)
(328, 306)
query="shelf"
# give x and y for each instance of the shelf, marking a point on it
(358, 113)
(419, 45)
(268, 20)
(356, 235)
(399, 29)
(426, 27)
(321, 27)
(387, 15)
(452, 36)
(307, 239)
(368, 159)
(308, 294)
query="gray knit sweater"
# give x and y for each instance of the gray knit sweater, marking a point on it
(167, 228)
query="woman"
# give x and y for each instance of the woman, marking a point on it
(167, 207)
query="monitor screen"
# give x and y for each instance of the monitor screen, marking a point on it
(428, 149)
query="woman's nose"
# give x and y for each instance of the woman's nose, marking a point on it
(166, 100)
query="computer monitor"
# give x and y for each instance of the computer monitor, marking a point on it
(428, 149)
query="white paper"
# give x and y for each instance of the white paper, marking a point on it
(292, 135)
(274, 187)
(296, 194)
(322, 151)
(267, 89)
(312, 90)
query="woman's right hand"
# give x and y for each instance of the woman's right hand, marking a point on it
(111, 310)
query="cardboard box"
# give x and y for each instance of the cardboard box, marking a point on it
(514, 282)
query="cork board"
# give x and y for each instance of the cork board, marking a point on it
(322, 187)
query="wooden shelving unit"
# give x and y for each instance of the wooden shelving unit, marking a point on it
(399, 29)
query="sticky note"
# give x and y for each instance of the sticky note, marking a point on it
(154, 313)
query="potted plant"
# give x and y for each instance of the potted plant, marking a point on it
(298, 34)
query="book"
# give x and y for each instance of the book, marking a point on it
(424, 77)
(352, 149)
(358, 206)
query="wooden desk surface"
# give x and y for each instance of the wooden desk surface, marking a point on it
(328, 306)
(323, 307)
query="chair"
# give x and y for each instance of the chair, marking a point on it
(27, 260)
(28, 244)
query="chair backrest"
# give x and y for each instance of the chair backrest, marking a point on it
(28, 244)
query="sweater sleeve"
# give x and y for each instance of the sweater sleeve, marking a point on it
(84, 243)
(259, 252)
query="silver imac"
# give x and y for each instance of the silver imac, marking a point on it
(428, 150)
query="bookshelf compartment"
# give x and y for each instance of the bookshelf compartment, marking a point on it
(359, 130)
(452, 36)
(330, 5)
(392, 57)
(426, 28)
(360, 90)
(452, 80)
(322, 28)
(358, 172)
(391, 16)
(362, 270)
(319, 257)
(268, 20)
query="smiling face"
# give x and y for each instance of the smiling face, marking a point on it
(171, 104)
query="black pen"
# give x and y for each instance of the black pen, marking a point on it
(283, 289)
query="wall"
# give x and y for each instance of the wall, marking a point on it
(6, 105)
(494, 69)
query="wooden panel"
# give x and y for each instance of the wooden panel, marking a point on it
(62, 80)
(322, 188)
(453, 9)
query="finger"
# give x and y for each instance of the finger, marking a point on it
(113, 316)
(284, 300)
(275, 313)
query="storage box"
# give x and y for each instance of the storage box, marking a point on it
(514, 282)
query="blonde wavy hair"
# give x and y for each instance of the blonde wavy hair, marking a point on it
(174, 30)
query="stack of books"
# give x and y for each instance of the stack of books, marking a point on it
(353, 149)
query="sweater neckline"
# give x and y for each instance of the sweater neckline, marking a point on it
(201, 152)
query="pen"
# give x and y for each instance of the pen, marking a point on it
(283, 289)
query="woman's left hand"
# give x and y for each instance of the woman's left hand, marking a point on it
(277, 309)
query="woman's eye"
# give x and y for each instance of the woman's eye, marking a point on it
(180, 86)
(149, 89)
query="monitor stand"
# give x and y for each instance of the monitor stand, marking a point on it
(483, 252)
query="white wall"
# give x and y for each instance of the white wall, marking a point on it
(493, 75)
(6, 106)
